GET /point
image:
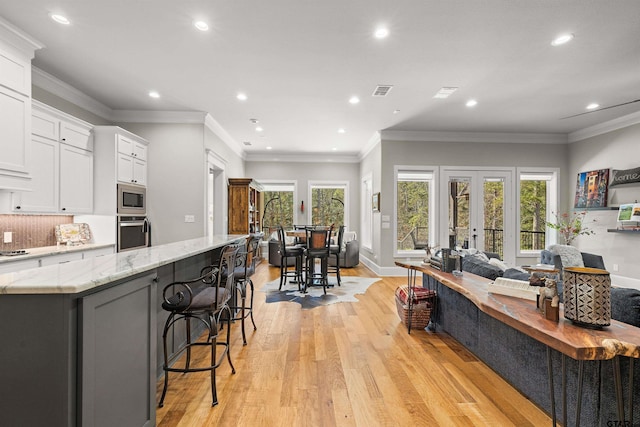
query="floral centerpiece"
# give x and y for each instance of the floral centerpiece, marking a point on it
(570, 226)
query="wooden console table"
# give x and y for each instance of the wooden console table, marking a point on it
(578, 343)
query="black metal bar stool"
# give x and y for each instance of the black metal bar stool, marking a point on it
(336, 251)
(205, 299)
(244, 269)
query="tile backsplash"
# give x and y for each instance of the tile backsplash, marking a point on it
(30, 231)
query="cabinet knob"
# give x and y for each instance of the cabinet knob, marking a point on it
(64, 209)
(17, 207)
(64, 139)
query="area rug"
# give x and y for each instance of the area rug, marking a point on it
(315, 297)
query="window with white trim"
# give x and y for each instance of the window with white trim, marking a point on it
(537, 199)
(414, 210)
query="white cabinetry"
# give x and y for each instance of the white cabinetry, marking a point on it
(132, 161)
(120, 156)
(62, 178)
(16, 51)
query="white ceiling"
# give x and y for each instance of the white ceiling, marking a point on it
(299, 61)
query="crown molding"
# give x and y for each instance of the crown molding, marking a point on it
(53, 85)
(20, 40)
(608, 126)
(213, 125)
(371, 144)
(302, 158)
(491, 137)
(153, 116)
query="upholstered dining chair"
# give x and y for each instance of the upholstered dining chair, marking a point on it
(318, 246)
(206, 300)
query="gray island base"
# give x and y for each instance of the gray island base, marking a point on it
(80, 340)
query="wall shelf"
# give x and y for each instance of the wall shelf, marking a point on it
(616, 230)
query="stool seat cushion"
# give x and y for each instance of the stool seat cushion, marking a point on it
(206, 298)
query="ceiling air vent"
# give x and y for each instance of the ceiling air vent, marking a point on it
(382, 90)
(246, 143)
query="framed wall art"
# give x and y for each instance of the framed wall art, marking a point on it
(375, 202)
(591, 189)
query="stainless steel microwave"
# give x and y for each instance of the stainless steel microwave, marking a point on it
(132, 200)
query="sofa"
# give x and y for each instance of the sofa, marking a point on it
(350, 256)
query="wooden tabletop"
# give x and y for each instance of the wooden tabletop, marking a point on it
(576, 342)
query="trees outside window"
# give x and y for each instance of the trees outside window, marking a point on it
(277, 202)
(328, 205)
(537, 200)
(413, 209)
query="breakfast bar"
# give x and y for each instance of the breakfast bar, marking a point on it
(79, 340)
(515, 339)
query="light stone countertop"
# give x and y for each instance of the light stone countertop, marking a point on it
(79, 276)
(53, 250)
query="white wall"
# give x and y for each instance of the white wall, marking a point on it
(177, 174)
(459, 154)
(372, 164)
(614, 150)
(305, 172)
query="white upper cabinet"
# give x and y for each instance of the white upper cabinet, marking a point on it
(62, 158)
(17, 49)
(132, 160)
(120, 157)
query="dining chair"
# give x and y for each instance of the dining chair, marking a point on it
(205, 300)
(318, 246)
(286, 252)
(337, 250)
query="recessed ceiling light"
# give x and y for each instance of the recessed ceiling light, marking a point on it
(269, 148)
(381, 33)
(60, 19)
(201, 25)
(242, 96)
(341, 130)
(154, 94)
(334, 149)
(396, 111)
(354, 100)
(562, 39)
(592, 106)
(471, 103)
(259, 129)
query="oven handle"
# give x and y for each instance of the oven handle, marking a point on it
(132, 224)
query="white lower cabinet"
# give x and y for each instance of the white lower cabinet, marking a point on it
(60, 259)
(94, 253)
(13, 266)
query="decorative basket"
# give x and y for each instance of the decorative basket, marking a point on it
(587, 296)
(421, 307)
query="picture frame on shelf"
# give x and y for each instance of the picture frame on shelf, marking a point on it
(375, 202)
(592, 189)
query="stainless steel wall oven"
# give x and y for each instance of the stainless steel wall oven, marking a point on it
(133, 232)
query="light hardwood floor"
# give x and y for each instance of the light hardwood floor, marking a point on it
(346, 364)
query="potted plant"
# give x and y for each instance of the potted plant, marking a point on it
(570, 226)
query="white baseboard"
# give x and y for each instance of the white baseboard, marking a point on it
(625, 282)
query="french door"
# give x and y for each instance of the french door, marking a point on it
(477, 207)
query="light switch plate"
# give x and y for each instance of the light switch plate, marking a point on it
(189, 218)
(8, 237)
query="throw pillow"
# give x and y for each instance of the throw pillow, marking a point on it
(570, 255)
(498, 263)
(516, 273)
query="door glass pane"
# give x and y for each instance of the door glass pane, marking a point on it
(413, 210)
(533, 209)
(494, 215)
(459, 221)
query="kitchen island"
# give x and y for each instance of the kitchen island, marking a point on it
(78, 341)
